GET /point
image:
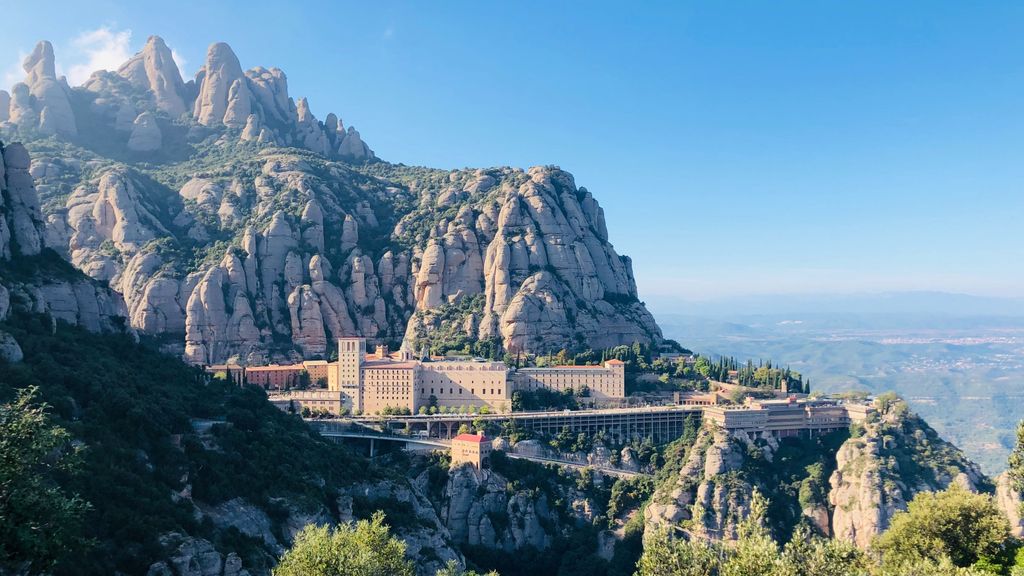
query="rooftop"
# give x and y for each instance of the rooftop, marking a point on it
(478, 438)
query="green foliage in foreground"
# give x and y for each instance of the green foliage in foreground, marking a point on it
(39, 521)
(148, 428)
(963, 527)
(366, 549)
(950, 533)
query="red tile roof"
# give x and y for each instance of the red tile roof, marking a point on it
(471, 438)
(615, 362)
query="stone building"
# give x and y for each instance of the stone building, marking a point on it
(472, 449)
(601, 382)
(375, 383)
(784, 418)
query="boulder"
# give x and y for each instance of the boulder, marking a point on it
(10, 350)
(146, 135)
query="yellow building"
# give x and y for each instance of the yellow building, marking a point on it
(464, 383)
(781, 418)
(602, 382)
(387, 384)
(472, 449)
(362, 383)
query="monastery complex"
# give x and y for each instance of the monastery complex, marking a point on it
(361, 383)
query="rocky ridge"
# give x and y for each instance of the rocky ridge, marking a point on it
(876, 474)
(32, 278)
(233, 220)
(873, 476)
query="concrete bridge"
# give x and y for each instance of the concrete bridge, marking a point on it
(662, 424)
(330, 429)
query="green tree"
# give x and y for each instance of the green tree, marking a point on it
(954, 524)
(755, 552)
(366, 549)
(1016, 462)
(665, 556)
(453, 569)
(39, 522)
(809, 555)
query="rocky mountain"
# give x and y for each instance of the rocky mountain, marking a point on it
(236, 225)
(32, 277)
(848, 490)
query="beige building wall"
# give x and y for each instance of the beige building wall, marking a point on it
(388, 384)
(471, 449)
(603, 382)
(273, 377)
(351, 353)
(464, 383)
(317, 370)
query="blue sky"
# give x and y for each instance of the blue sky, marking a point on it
(737, 147)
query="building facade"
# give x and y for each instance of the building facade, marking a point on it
(472, 449)
(361, 383)
(600, 382)
(788, 417)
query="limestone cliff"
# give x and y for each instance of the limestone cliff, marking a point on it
(708, 496)
(515, 507)
(844, 487)
(32, 278)
(878, 472)
(1011, 503)
(234, 221)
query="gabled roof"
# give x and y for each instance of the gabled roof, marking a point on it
(471, 438)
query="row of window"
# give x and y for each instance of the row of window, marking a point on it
(472, 391)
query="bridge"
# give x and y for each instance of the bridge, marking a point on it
(660, 423)
(338, 430)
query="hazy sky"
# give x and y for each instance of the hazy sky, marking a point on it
(737, 147)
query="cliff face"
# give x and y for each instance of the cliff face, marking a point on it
(709, 496)
(846, 488)
(233, 220)
(31, 278)
(876, 474)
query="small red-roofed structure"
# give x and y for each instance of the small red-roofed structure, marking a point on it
(473, 449)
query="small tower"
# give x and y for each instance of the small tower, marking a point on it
(474, 449)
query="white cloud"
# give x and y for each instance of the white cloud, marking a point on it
(15, 73)
(101, 49)
(180, 61)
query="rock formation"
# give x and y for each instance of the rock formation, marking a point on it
(868, 486)
(1010, 501)
(706, 494)
(153, 70)
(146, 135)
(43, 286)
(519, 258)
(43, 101)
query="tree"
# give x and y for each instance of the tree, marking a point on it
(755, 553)
(809, 555)
(954, 524)
(1015, 467)
(366, 549)
(39, 522)
(664, 556)
(453, 569)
